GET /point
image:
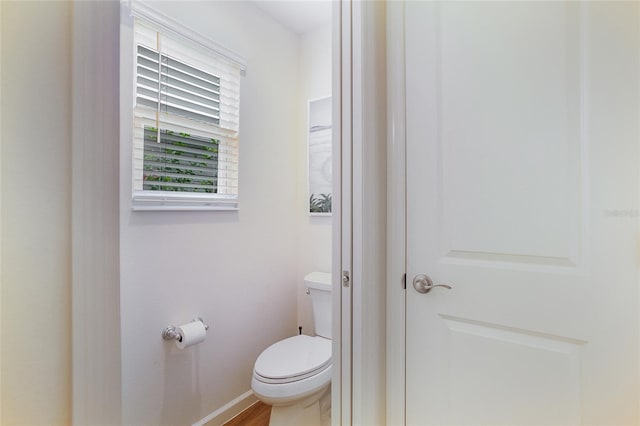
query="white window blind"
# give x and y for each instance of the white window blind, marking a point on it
(186, 123)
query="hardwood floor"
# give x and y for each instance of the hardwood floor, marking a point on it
(256, 415)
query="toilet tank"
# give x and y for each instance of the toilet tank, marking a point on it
(318, 285)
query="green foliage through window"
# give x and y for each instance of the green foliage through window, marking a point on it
(179, 162)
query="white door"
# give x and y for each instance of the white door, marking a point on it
(522, 194)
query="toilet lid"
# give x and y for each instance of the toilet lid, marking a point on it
(294, 357)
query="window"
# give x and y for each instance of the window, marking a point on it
(186, 122)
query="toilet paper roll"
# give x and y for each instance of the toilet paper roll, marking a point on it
(191, 334)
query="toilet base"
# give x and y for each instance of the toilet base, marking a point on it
(311, 411)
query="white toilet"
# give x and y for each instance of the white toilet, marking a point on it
(294, 374)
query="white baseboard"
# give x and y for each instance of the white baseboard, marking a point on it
(228, 410)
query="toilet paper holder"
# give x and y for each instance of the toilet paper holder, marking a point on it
(171, 332)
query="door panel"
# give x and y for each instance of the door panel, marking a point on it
(507, 88)
(516, 177)
(503, 375)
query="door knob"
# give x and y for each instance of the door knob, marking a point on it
(423, 284)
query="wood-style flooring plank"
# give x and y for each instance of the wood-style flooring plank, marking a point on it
(256, 415)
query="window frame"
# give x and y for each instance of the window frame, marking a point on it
(155, 200)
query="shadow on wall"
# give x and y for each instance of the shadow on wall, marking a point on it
(181, 385)
(179, 218)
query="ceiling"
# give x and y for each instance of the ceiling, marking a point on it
(299, 16)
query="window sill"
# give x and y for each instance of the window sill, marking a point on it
(170, 201)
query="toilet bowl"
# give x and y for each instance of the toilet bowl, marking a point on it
(294, 374)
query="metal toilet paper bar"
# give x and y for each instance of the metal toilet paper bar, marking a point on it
(171, 332)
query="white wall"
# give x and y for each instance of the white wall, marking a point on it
(314, 236)
(238, 270)
(36, 210)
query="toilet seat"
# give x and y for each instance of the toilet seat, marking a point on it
(293, 359)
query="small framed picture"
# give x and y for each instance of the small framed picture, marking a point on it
(320, 164)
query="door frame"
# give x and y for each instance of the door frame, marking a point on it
(341, 211)
(360, 188)
(95, 256)
(396, 211)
